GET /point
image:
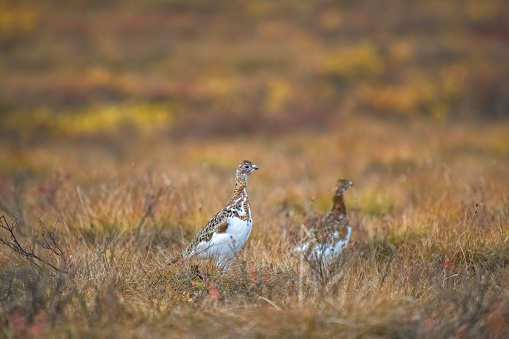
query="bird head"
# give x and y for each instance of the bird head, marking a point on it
(342, 185)
(245, 168)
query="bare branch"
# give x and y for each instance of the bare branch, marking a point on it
(12, 242)
(150, 205)
(48, 240)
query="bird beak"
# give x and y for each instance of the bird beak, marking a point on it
(255, 167)
(351, 183)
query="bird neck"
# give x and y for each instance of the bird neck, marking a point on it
(338, 205)
(240, 188)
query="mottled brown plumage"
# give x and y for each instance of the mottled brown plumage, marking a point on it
(221, 228)
(332, 232)
(236, 212)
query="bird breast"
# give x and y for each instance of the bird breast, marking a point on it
(237, 226)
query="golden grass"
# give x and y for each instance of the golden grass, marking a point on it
(120, 135)
(424, 261)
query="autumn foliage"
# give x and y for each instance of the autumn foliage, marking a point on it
(122, 122)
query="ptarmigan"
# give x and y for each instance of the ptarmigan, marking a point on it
(330, 237)
(226, 232)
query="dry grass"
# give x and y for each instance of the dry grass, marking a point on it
(425, 260)
(121, 123)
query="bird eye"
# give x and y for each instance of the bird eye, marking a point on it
(246, 166)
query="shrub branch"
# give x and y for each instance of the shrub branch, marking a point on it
(47, 242)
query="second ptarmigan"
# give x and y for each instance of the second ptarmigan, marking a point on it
(226, 232)
(330, 237)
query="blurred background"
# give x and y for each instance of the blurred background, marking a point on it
(122, 123)
(180, 91)
(204, 69)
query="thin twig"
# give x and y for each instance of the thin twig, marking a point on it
(387, 267)
(149, 209)
(16, 247)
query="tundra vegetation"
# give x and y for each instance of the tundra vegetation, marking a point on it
(122, 122)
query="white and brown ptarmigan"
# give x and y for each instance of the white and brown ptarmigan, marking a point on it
(332, 233)
(226, 232)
